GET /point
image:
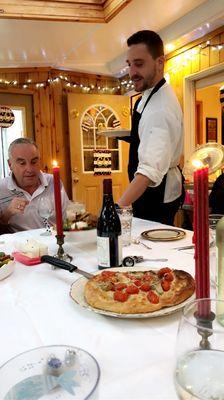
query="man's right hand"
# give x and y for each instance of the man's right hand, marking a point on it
(16, 206)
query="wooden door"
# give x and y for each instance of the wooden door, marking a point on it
(198, 123)
(99, 109)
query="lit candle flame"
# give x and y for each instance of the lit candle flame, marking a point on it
(197, 164)
(54, 163)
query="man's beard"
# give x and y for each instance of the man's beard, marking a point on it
(146, 83)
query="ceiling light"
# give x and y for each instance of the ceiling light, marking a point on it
(169, 47)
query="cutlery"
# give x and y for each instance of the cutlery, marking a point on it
(130, 261)
(191, 246)
(65, 265)
(137, 241)
(184, 247)
(9, 198)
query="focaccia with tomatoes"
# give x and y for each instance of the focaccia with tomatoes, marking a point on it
(135, 292)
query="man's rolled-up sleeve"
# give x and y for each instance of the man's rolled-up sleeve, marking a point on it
(158, 140)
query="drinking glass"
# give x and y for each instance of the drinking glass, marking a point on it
(213, 220)
(199, 372)
(125, 213)
(45, 210)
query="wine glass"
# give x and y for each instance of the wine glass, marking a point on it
(45, 210)
(199, 368)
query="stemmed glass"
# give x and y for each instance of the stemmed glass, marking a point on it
(45, 210)
(199, 372)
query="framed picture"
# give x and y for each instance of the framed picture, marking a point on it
(211, 129)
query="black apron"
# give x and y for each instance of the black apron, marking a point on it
(148, 205)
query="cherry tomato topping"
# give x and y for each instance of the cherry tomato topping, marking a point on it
(132, 277)
(152, 297)
(147, 277)
(120, 296)
(145, 287)
(165, 285)
(163, 271)
(120, 286)
(168, 276)
(137, 282)
(108, 273)
(132, 289)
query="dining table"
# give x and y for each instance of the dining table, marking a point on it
(136, 356)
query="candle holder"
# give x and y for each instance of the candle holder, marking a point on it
(60, 253)
(205, 323)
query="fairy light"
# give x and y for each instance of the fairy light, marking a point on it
(122, 86)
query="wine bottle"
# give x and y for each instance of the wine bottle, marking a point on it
(109, 242)
(220, 269)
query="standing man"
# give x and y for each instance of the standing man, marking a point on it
(156, 140)
(22, 189)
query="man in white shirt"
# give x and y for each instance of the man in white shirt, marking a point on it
(21, 190)
(156, 140)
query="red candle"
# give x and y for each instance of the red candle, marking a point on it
(57, 199)
(201, 236)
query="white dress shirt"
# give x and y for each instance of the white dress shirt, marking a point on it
(161, 140)
(30, 219)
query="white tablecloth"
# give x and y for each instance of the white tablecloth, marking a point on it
(136, 356)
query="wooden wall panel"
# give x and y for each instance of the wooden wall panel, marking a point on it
(193, 59)
(204, 58)
(214, 53)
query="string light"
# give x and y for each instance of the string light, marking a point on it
(183, 59)
(218, 46)
(29, 83)
(124, 85)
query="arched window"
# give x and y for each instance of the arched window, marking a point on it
(96, 117)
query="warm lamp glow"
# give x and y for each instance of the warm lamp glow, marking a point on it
(197, 163)
(54, 163)
(167, 77)
(169, 47)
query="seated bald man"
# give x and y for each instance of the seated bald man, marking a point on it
(23, 188)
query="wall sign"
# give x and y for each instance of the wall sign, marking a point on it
(7, 117)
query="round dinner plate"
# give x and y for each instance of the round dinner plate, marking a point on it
(77, 294)
(27, 374)
(163, 235)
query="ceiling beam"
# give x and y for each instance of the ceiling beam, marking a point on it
(95, 11)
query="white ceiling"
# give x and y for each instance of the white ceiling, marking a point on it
(101, 48)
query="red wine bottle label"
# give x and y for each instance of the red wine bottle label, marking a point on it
(109, 256)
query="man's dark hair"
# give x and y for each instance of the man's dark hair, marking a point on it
(151, 39)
